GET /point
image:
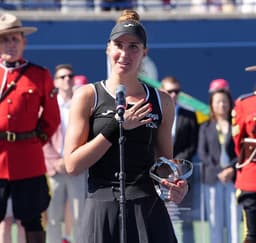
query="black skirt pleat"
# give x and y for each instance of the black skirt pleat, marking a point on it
(147, 222)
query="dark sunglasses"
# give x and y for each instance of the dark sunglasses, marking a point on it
(176, 91)
(66, 75)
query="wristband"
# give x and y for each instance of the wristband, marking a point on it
(110, 130)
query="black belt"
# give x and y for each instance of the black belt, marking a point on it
(13, 136)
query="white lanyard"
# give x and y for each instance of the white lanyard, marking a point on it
(4, 81)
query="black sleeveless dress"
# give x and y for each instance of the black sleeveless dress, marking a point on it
(147, 217)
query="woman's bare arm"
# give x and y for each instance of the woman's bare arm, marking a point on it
(79, 154)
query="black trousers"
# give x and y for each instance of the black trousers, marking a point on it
(30, 197)
(248, 202)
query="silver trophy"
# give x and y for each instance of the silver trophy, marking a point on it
(172, 170)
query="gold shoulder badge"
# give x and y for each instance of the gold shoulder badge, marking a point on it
(233, 115)
(53, 92)
(233, 121)
(235, 130)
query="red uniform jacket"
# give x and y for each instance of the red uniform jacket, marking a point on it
(32, 103)
(244, 126)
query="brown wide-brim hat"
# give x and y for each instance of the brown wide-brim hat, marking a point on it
(10, 24)
(250, 68)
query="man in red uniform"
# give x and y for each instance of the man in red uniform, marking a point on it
(244, 134)
(29, 115)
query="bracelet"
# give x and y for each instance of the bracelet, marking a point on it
(110, 130)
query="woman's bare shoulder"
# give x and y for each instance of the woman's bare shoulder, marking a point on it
(84, 96)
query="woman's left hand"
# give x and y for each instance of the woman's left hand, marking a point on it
(177, 190)
(137, 115)
(226, 175)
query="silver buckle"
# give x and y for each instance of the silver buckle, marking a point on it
(11, 136)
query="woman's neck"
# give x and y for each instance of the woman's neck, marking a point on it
(130, 82)
(134, 89)
(223, 124)
(220, 118)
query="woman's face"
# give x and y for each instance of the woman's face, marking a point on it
(125, 54)
(220, 104)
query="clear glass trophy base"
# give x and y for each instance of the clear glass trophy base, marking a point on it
(172, 170)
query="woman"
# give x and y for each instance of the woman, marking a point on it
(216, 151)
(92, 142)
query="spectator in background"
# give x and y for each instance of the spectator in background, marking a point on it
(185, 124)
(107, 5)
(184, 137)
(26, 89)
(168, 4)
(38, 4)
(64, 187)
(79, 80)
(70, 6)
(216, 152)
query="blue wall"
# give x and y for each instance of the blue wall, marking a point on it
(195, 51)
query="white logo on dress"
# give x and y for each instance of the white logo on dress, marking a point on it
(107, 112)
(129, 25)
